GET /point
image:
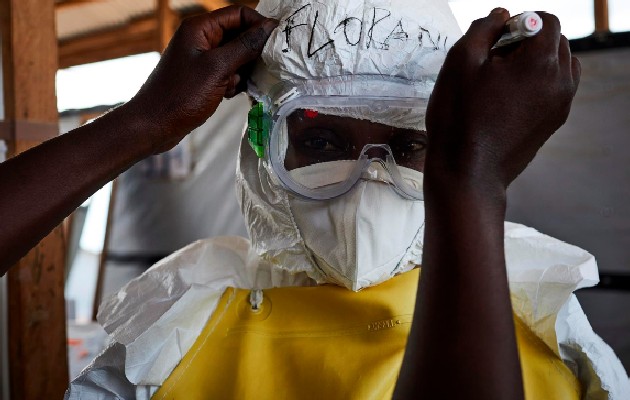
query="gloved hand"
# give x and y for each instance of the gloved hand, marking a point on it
(491, 110)
(206, 60)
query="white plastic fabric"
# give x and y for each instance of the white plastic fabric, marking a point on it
(154, 216)
(387, 100)
(276, 230)
(404, 38)
(388, 48)
(391, 116)
(174, 294)
(543, 273)
(155, 319)
(322, 174)
(359, 239)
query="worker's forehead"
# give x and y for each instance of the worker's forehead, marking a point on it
(307, 118)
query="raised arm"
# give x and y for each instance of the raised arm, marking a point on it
(206, 60)
(489, 114)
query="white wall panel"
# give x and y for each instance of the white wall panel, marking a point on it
(578, 187)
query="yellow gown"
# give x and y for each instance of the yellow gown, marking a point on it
(327, 342)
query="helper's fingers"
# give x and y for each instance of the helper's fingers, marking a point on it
(576, 71)
(233, 86)
(236, 17)
(245, 48)
(547, 41)
(568, 64)
(564, 54)
(213, 25)
(484, 33)
(564, 50)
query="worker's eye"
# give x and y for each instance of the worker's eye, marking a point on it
(412, 146)
(409, 143)
(320, 144)
(322, 140)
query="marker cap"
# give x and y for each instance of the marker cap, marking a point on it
(530, 23)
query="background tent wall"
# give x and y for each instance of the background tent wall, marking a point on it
(578, 187)
(155, 214)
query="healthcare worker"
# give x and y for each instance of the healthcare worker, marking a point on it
(343, 156)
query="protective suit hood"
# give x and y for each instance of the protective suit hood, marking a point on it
(378, 38)
(265, 206)
(408, 39)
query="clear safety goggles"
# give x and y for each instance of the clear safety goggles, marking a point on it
(320, 145)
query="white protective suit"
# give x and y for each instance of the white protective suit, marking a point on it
(155, 319)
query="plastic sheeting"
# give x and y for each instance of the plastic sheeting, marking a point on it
(156, 216)
(404, 38)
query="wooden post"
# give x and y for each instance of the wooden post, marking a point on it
(601, 16)
(102, 260)
(38, 364)
(167, 23)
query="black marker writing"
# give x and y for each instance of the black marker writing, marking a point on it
(398, 33)
(309, 52)
(345, 24)
(354, 31)
(291, 26)
(434, 43)
(374, 23)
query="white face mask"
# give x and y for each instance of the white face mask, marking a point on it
(360, 239)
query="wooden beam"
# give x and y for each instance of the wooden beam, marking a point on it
(63, 4)
(139, 36)
(247, 3)
(38, 364)
(601, 16)
(102, 259)
(212, 5)
(167, 23)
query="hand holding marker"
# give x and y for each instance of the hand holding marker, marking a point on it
(519, 27)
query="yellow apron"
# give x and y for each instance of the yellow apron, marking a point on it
(326, 342)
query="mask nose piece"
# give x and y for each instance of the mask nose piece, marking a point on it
(377, 156)
(377, 171)
(372, 174)
(376, 153)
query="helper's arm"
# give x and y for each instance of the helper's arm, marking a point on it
(488, 116)
(204, 62)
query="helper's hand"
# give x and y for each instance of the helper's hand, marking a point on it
(492, 110)
(206, 60)
(489, 114)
